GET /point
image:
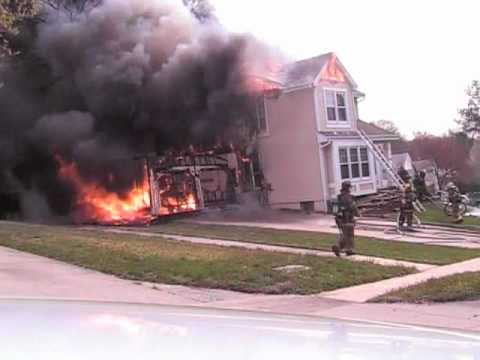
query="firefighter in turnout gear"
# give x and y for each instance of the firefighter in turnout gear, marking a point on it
(404, 175)
(455, 198)
(421, 186)
(345, 220)
(407, 207)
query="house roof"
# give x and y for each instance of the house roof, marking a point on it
(373, 131)
(303, 73)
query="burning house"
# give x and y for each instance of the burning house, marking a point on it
(91, 91)
(137, 77)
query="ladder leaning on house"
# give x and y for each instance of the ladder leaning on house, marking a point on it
(387, 165)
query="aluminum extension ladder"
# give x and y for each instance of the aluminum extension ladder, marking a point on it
(387, 165)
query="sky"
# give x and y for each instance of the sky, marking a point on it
(413, 59)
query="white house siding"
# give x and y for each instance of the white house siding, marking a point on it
(290, 155)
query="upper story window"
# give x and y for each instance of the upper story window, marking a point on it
(336, 104)
(261, 115)
(354, 162)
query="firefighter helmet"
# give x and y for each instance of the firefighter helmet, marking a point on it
(346, 185)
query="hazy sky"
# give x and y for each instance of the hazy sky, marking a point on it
(413, 58)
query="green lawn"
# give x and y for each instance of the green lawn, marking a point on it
(165, 261)
(428, 254)
(460, 287)
(435, 214)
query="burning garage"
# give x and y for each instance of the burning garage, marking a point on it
(90, 93)
(133, 109)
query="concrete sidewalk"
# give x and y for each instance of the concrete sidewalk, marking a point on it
(272, 248)
(365, 292)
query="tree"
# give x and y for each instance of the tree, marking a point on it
(72, 7)
(16, 15)
(12, 14)
(388, 126)
(451, 153)
(470, 116)
(202, 9)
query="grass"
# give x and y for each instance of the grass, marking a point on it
(160, 260)
(435, 214)
(460, 287)
(427, 254)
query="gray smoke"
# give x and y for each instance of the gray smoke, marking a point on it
(128, 77)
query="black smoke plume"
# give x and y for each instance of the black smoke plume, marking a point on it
(127, 77)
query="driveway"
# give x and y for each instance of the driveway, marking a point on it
(24, 275)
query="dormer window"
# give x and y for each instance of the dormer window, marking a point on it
(336, 104)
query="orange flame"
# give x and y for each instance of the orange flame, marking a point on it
(96, 204)
(332, 71)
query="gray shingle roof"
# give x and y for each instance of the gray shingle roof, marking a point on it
(372, 129)
(302, 73)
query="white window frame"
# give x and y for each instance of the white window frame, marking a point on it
(260, 101)
(337, 123)
(350, 163)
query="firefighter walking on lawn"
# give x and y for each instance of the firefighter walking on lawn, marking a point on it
(345, 220)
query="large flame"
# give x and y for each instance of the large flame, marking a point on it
(96, 204)
(332, 71)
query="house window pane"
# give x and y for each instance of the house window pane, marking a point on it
(342, 114)
(336, 105)
(363, 154)
(345, 172)
(353, 155)
(343, 156)
(365, 170)
(332, 116)
(330, 96)
(355, 171)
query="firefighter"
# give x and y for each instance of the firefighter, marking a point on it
(455, 198)
(345, 220)
(407, 208)
(404, 175)
(421, 186)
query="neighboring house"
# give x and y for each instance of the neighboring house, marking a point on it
(309, 142)
(403, 160)
(431, 174)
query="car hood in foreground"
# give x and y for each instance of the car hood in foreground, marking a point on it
(89, 331)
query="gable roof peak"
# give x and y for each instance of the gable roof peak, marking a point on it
(307, 72)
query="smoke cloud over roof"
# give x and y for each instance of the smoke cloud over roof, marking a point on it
(126, 78)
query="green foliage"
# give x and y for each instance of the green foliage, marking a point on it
(12, 14)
